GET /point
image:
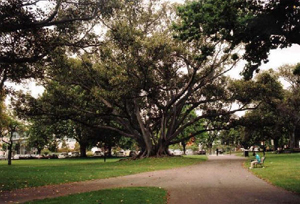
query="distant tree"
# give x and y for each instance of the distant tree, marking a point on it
(64, 145)
(290, 107)
(12, 127)
(231, 137)
(3, 117)
(109, 139)
(53, 146)
(39, 135)
(296, 71)
(266, 122)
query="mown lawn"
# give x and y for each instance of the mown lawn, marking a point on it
(31, 173)
(282, 170)
(145, 195)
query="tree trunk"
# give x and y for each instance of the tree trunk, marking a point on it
(162, 150)
(9, 154)
(109, 151)
(276, 141)
(292, 138)
(209, 145)
(184, 147)
(297, 137)
(83, 150)
(39, 150)
(158, 150)
(10, 145)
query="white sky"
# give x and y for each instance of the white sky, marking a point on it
(277, 58)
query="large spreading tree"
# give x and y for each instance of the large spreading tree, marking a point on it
(147, 82)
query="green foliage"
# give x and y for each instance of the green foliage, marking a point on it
(45, 152)
(29, 33)
(133, 195)
(39, 135)
(297, 70)
(231, 136)
(3, 117)
(258, 25)
(266, 121)
(30, 173)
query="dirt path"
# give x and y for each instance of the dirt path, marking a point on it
(221, 179)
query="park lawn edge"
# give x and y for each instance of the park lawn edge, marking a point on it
(152, 165)
(271, 180)
(152, 195)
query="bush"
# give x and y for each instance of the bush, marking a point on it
(89, 154)
(45, 152)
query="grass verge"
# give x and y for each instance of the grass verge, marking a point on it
(133, 195)
(32, 173)
(281, 170)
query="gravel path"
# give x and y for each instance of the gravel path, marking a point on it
(221, 179)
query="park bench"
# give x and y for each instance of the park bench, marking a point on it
(261, 163)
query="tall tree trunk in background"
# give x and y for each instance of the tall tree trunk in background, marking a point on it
(184, 147)
(10, 145)
(276, 141)
(83, 149)
(109, 147)
(209, 145)
(292, 139)
(297, 136)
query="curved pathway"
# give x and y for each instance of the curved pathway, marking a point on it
(221, 179)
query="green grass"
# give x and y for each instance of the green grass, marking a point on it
(132, 195)
(282, 170)
(32, 173)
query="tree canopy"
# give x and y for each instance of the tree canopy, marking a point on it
(259, 26)
(31, 29)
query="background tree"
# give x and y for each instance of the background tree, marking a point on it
(3, 117)
(266, 122)
(39, 136)
(12, 127)
(231, 138)
(109, 139)
(290, 106)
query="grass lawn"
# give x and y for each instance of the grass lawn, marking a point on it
(31, 173)
(282, 170)
(132, 195)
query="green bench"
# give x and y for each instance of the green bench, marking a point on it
(261, 163)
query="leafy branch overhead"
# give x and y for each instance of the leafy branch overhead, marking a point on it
(31, 29)
(258, 26)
